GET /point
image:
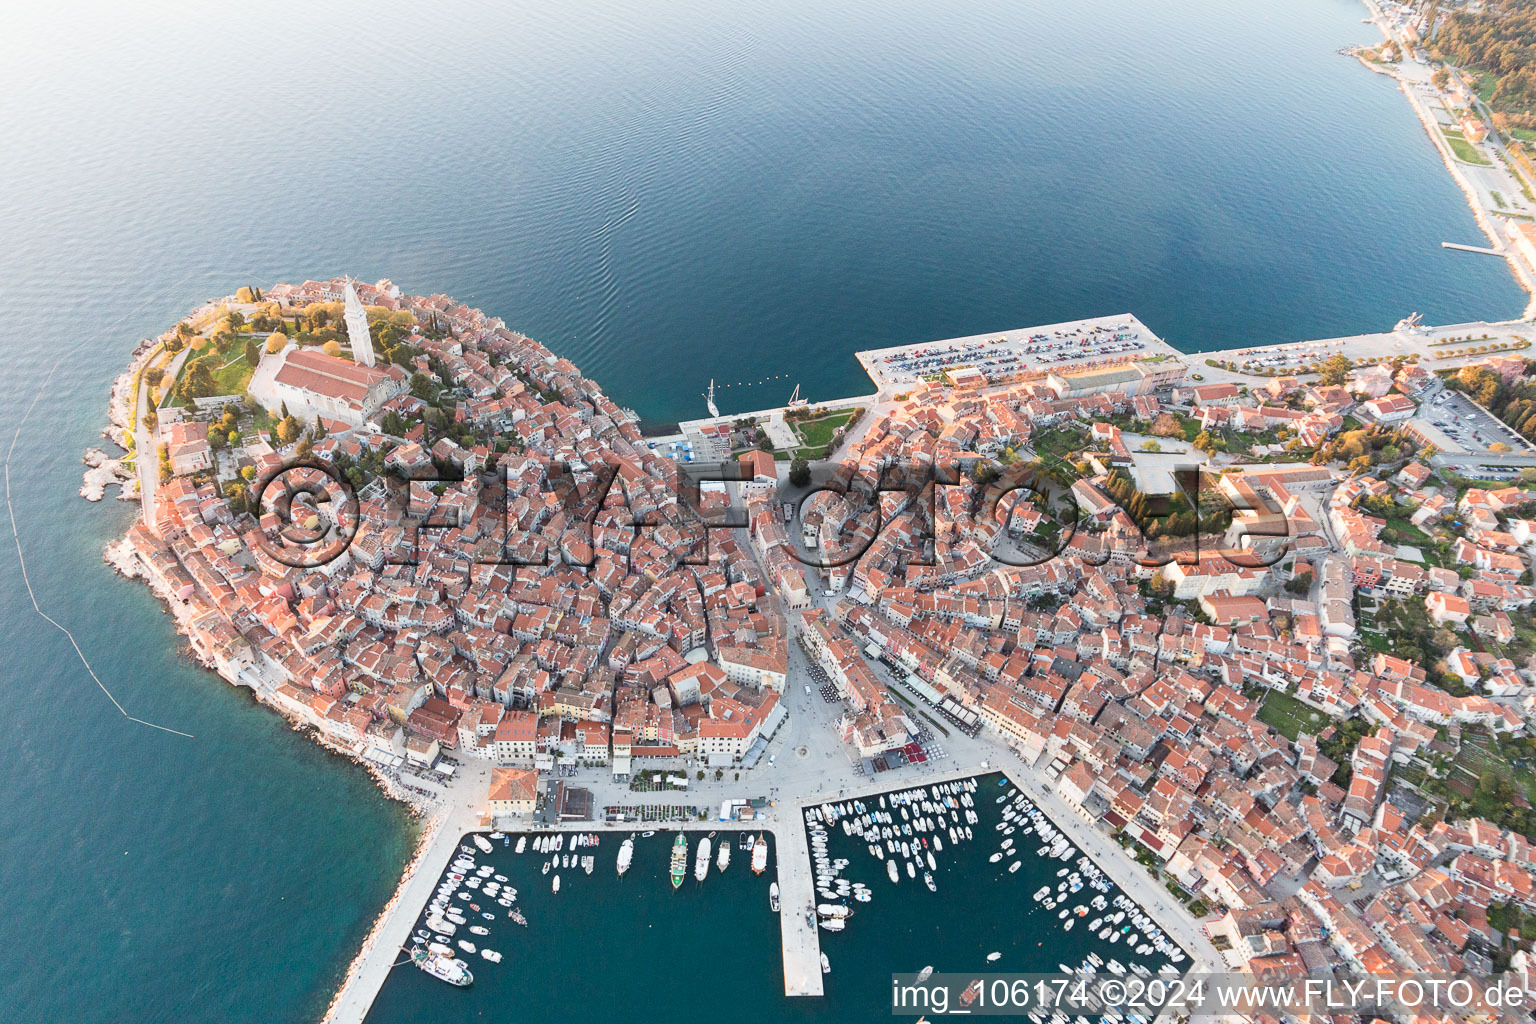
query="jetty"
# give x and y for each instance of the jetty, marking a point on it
(797, 902)
(458, 815)
(1461, 247)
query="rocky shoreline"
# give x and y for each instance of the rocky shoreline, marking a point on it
(119, 556)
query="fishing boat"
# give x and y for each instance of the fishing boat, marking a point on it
(522, 844)
(826, 966)
(994, 957)
(890, 869)
(723, 858)
(443, 968)
(679, 860)
(483, 843)
(759, 855)
(928, 881)
(491, 955)
(626, 854)
(516, 917)
(479, 929)
(555, 885)
(833, 924)
(701, 861)
(466, 945)
(971, 992)
(588, 863)
(924, 974)
(773, 897)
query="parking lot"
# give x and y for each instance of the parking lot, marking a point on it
(1063, 347)
(1461, 420)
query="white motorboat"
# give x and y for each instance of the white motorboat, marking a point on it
(626, 855)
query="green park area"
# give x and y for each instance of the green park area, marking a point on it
(1290, 716)
(817, 431)
(1464, 150)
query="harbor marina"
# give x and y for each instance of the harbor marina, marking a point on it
(842, 924)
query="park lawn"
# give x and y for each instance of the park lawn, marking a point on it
(1464, 150)
(233, 376)
(1290, 715)
(817, 433)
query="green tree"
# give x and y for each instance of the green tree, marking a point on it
(196, 381)
(799, 472)
(424, 388)
(288, 429)
(252, 352)
(1336, 368)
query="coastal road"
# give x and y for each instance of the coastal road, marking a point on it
(146, 444)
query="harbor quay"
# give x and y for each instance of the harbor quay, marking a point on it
(785, 820)
(1017, 353)
(1111, 353)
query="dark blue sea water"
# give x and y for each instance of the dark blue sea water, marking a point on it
(665, 191)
